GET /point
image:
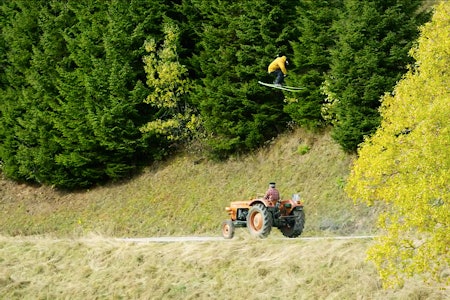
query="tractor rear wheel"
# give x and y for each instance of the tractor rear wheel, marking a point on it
(259, 221)
(228, 229)
(294, 227)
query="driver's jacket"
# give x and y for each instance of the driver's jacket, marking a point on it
(272, 194)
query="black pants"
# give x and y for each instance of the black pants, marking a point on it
(279, 76)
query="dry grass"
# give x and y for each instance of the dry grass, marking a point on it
(103, 268)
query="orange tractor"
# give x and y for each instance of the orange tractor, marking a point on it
(260, 215)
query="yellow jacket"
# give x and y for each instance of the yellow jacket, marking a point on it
(278, 63)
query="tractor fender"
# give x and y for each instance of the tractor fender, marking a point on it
(263, 201)
(288, 206)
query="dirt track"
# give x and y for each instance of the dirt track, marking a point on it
(174, 239)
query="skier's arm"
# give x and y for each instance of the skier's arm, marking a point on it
(282, 66)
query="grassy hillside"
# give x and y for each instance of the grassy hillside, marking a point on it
(75, 257)
(187, 195)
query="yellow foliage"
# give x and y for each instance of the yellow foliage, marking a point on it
(406, 164)
(331, 101)
(168, 81)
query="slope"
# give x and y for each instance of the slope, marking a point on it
(187, 194)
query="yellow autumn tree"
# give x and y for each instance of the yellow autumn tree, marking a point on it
(170, 86)
(405, 166)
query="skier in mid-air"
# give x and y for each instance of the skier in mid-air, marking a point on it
(278, 68)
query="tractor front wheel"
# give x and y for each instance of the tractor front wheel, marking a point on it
(228, 229)
(259, 221)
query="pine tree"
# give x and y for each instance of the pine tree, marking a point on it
(73, 96)
(21, 115)
(311, 60)
(405, 165)
(237, 40)
(99, 119)
(369, 58)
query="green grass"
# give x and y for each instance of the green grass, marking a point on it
(184, 196)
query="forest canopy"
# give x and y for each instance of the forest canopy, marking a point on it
(85, 85)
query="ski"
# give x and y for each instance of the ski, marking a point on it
(282, 87)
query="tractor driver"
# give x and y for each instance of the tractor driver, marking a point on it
(272, 193)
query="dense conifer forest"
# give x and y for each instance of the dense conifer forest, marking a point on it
(91, 90)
